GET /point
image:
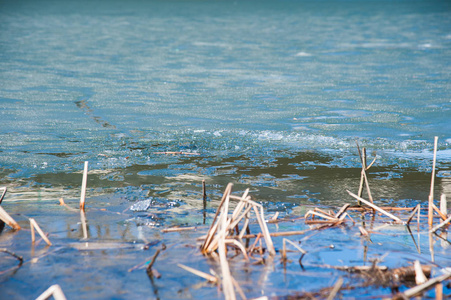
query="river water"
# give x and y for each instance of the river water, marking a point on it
(270, 95)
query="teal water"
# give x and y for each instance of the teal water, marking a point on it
(270, 95)
(83, 79)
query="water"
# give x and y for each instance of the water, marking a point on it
(270, 95)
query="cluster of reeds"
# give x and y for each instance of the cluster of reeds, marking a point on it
(231, 225)
(5, 218)
(234, 214)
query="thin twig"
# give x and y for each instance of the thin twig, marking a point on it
(3, 193)
(149, 267)
(20, 258)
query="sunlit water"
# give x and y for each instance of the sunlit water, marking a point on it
(269, 95)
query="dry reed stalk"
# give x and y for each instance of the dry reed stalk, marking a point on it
(55, 291)
(420, 278)
(342, 210)
(396, 219)
(251, 248)
(34, 224)
(211, 232)
(265, 231)
(206, 276)
(3, 193)
(437, 210)
(362, 156)
(323, 222)
(224, 226)
(177, 152)
(439, 291)
(5, 217)
(284, 252)
(431, 193)
(245, 227)
(363, 176)
(335, 289)
(423, 287)
(443, 204)
(239, 245)
(412, 214)
(386, 208)
(178, 229)
(440, 225)
(363, 231)
(227, 283)
(319, 214)
(83, 186)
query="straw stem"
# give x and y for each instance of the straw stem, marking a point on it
(83, 186)
(431, 194)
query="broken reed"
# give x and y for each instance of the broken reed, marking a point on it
(224, 225)
(83, 186)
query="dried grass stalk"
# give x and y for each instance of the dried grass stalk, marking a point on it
(431, 193)
(223, 226)
(437, 210)
(206, 276)
(5, 217)
(284, 251)
(420, 278)
(396, 219)
(178, 229)
(423, 287)
(335, 289)
(83, 186)
(55, 291)
(34, 224)
(211, 232)
(227, 283)
(417, 209)
(440, 225)
(3, 193)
